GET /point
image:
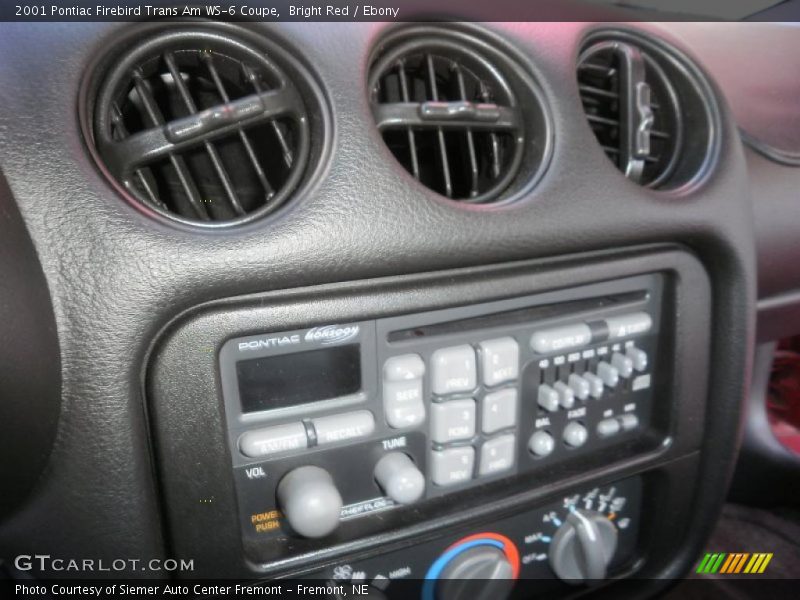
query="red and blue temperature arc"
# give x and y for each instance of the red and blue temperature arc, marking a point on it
(471, 541)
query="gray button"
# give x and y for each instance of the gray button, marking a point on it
(561, 339)
(499, 410)
(547, 398)
(623, 364)
(607, 427)
(402, 403)
(497, 454)
(343, 427)
(628, 421)
(639, 358)
(575, 434)
(566, 397)
(452, 466)
(402, 368)
(595, 385)
(541, 443)
(631, 324)
(499, 360)
(454, 420)
(399, 478)
(579, 386)
(272, 440)
(310, 501)
(453, 370)
(608, 374)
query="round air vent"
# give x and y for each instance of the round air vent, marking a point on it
(650, 110)
(458, 114)
(205, 125)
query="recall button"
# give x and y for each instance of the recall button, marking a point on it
(343, 427)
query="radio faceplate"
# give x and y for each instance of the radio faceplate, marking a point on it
(471, 395)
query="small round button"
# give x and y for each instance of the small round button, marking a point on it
(575, 435)
(399, 478)
(541, 443)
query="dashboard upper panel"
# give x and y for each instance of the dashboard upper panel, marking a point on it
(118, 277)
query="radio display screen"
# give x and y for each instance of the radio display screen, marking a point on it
(297, 378)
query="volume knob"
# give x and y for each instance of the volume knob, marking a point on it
(310, 501)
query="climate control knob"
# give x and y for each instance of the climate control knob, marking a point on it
(399, 478)
(583, 547)
(310, 501)
(483, 566)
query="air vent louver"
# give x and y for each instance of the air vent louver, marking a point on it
(649, 111)
(457, 114)
(202, 126)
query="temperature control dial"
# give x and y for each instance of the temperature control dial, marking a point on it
(583, 546)
(479, 567)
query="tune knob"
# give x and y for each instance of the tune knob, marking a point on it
(399, 478)
(583, 547)
(310, 501)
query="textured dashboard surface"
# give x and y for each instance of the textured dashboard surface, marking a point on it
(117, 277)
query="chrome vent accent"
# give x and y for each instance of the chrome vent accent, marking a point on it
(449, 109)
(202, 126)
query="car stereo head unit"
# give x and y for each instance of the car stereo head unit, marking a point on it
(332, 423)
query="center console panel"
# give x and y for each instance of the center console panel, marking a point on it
(365, 431)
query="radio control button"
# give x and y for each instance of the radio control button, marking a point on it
(628, 421)
(623, 364)
(547, 398)
(579, 386)
(561, 339)
(541, 444)
(452, 466)
(499, 360)
(498, 454)
(453, 370)
(566, 397)
(499, 410)
(399, 478)
(608, 374)
(402, 403)
(273, 440)
(638, 357)
(608, 427)
(403, 368)
(595, 385)
(454, 420)
(631, 324)
(575, 434)
(343, 427)
(310, 501)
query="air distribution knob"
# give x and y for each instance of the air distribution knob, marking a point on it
(310, 501)
(399, 478)
(583, 546)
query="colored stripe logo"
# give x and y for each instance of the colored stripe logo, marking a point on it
(733, 563)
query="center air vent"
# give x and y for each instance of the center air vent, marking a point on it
(648, 110)
(202, 126)
(458, 114)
